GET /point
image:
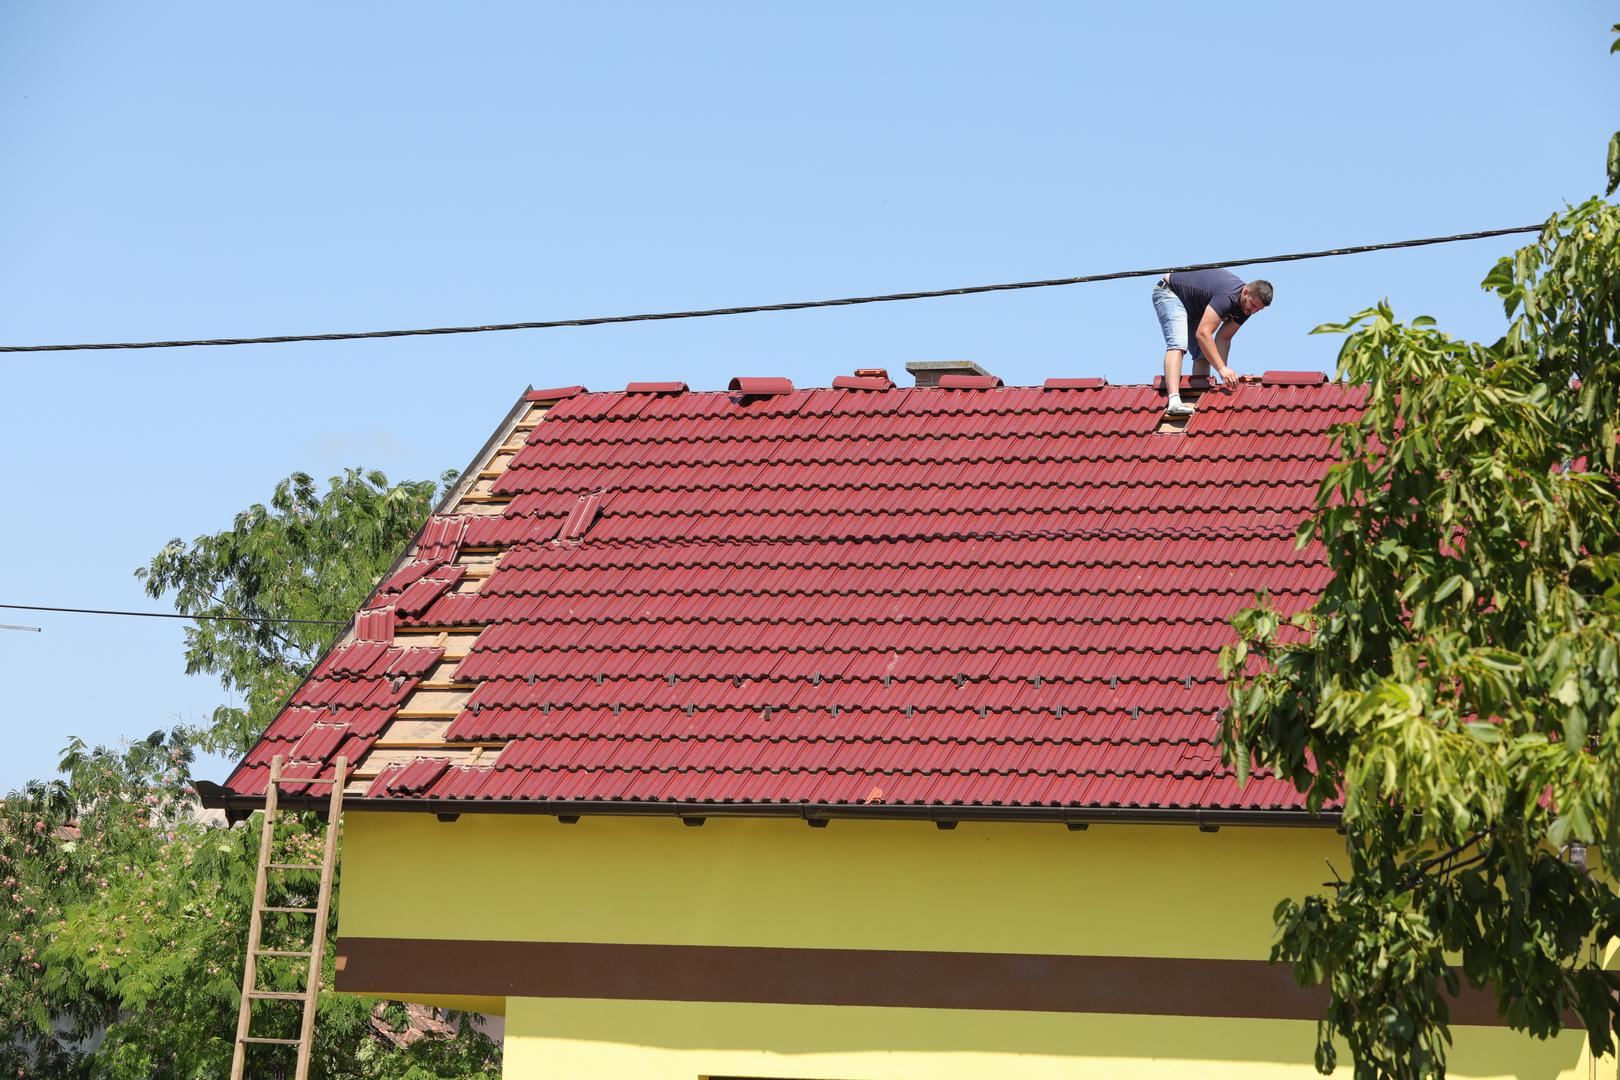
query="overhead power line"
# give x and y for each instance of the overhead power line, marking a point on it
(796, 305)
(169, 615)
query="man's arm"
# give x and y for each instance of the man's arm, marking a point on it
(1207, 326)
(1223, 339)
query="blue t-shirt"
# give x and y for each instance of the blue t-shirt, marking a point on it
(1200, 289)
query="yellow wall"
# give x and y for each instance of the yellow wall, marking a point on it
(1113, 890)
(573, 1039)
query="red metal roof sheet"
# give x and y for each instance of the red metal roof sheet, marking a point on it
(1009, 597)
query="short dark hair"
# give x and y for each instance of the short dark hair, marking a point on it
(1260, 289)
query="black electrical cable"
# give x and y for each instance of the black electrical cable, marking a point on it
(169, 615)
(797, 305)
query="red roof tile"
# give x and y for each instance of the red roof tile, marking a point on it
(441, 538)
(761, 386)
(1005, 597)
(862, 382)
(554, 394)
(969, 382)
(412, 779)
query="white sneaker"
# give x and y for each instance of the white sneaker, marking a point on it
(1178, 408)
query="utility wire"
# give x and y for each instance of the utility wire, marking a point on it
(168, 615)
(797, 305)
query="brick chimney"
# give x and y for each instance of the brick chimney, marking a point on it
(927, 372)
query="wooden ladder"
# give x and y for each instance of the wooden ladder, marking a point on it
(317, 943)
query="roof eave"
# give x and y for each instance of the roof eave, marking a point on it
(238, 806)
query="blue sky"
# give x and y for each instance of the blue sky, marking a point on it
(196, 170)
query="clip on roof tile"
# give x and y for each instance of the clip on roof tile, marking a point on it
(969, 382)
(656, 388)
(763, 386)
(1293, 378)
(1074, 384)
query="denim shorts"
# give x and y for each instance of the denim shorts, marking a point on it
(1172, 317)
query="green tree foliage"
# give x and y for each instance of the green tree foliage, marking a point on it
(122, 949)
(1455, 685)
(1614, 141)
(122, 938)
(307, 556)
(59, 842)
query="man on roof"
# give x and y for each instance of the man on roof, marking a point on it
(1215, 303)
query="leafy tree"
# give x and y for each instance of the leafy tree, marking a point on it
(1455, 685)
(1614, 140)
(61, 843)
(122, 951)
(121, 947)
(300, 565)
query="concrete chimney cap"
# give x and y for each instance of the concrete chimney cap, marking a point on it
(927, 372)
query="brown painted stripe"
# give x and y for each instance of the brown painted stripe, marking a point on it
(1150, 985)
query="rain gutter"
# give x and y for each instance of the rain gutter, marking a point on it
(238, 806)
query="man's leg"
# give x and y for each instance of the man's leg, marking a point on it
(1173, 321)
(1172, 372)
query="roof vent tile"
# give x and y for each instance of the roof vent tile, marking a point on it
(1293, 378)
(968, 382)
(1075, 384)
(656, 388)
(760, 386)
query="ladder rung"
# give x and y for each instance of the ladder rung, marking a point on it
(292, 866)
(273, 1042)
(278, 995)
(293, 910)
(281, 952)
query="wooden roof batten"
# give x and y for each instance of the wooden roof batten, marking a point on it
(417, 726)
(420, 722)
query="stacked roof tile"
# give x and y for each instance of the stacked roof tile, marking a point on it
(939, 597)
